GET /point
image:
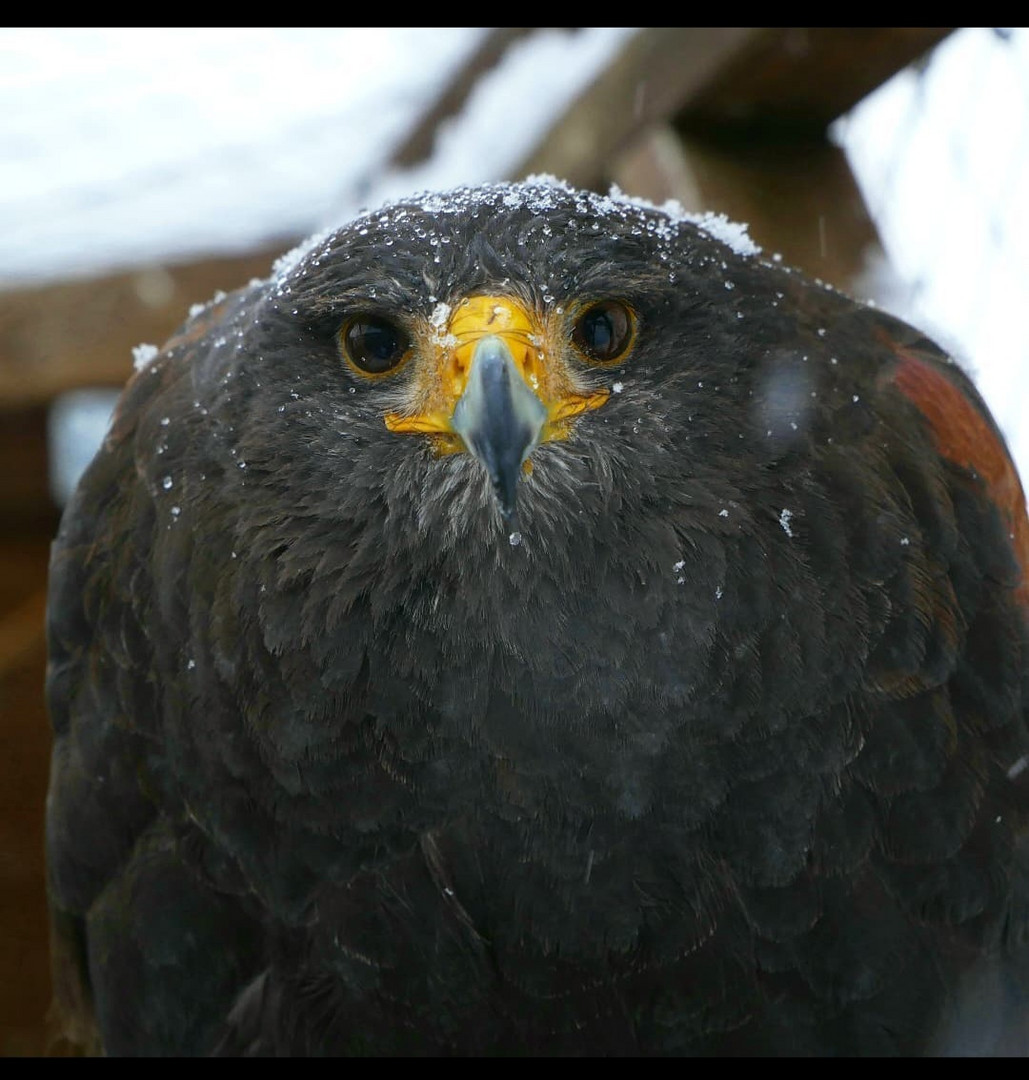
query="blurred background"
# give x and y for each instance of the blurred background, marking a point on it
(143, 170)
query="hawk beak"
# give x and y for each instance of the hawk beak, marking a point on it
(492, 380)
(500, 419)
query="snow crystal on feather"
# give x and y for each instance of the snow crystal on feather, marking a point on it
(540, 194)
(731, 233)
(142, 355)
(284, 265)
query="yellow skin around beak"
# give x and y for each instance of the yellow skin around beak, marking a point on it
(537, 350)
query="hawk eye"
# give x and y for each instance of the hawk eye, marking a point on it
(372, 344)
(604, 331)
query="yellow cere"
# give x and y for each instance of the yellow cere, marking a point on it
(479, 316)
(529, 339)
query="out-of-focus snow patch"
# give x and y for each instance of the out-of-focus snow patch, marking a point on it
(126, 146)
(76, 425)
(120, 147)
(941, 155)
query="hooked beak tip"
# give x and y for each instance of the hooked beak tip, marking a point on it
(500, 419)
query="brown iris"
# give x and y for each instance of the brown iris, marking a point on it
(373, 345)
(604, 331)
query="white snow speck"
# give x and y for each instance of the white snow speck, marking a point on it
(732, 233)
(515, 539)
(175, 511)
(784, 520)
(679, 565)
(723, 512)
(1018, 767)
(904, 541)
(191, 664)
(718, 592)
(142, 355)
(166, 483)
(617, 388)
(286, 264)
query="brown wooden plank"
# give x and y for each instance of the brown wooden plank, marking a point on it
(723, 82)
(21, 631)
(25, 490)
(652, 77)
(81, 333)
(25, 731)
(794, 81)
(798, 198)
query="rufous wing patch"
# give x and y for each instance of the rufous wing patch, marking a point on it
(965, 436)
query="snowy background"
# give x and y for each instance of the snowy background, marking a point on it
(122, 148)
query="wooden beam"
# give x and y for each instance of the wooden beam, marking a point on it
(656, 72)
(798, 200)
(418, 144)
(81, 333)
(730, 82)
(24, 967)
(794, 81)
(25, 502)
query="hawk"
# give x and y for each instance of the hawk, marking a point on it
(530, 622)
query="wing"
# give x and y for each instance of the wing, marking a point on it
(947, 701)
(147, 955)
(979, 811)
(899, 922)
